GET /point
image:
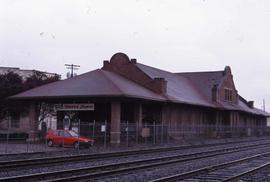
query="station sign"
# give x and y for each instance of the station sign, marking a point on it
(75, 107)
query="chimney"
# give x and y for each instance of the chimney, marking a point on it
(161, 85)
(215, 93)
(251, 104)
(105, 63)
(133, 60)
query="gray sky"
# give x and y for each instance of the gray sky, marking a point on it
(175, 35)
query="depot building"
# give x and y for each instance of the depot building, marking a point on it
(125, 90)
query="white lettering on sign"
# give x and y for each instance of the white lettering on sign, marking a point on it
(75, 107)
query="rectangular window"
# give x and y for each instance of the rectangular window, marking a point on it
(228, 94)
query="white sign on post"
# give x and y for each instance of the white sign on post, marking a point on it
(103, 128)
(75, 107)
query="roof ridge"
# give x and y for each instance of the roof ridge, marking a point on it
(198, 72)
(178, 77)
(155, 68)
(108, 78)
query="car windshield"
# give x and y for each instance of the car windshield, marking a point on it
(73, 133)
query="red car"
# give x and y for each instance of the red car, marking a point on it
(67, 137)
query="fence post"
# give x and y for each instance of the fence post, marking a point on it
(137, 131)
(127, 133)
(27, 146)
(168, 130)
(162, 133)
(6, 149)
(154, 133)
(93, 134)
(157, 133)
(105, 134)
(46, 137)
(145, 137)
(79, 131)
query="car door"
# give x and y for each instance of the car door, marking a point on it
(68, 139)
(62, 138)
(57, 139)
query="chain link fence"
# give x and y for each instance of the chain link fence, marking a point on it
(131, 134)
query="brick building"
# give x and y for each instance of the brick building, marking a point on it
(24, 73)
(124, 90)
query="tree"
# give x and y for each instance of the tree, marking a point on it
(38, 79)
(11, 84)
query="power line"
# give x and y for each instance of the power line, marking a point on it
(72, 67)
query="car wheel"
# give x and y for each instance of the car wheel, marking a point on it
(76, 145)
(50, 143)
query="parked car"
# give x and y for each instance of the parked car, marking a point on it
(67, 137)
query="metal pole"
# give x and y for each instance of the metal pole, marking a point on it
(154, 132)
(105, 134)
(162, 133)
(137, 135)
(168, 129)
(79, 131)
(27, 147)
(145, 136)
(93, 134)
(46, 137)
(6, 150)
(127, 133)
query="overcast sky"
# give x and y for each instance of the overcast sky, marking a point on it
(174, 35)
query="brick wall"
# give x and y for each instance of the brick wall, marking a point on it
(122, 65)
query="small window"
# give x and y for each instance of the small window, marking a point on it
(228, 94)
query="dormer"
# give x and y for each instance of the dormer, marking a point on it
(225, 91)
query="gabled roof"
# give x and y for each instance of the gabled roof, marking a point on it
(204, 81)
(179, 89)
(97, 83)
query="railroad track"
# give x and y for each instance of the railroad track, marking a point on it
(226, 172)
(116, 168)
(45, 161)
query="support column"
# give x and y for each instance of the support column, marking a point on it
(138, 114)
(33, 122)
(115, 122)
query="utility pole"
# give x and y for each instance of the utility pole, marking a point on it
(72, 67)
(264, 105)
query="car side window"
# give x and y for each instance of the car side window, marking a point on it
(55, 133)
(61, 133)
(66, 134)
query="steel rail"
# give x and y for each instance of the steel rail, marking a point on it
(4, 165)
(247, 173)
(109, 169)
(206, 170)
